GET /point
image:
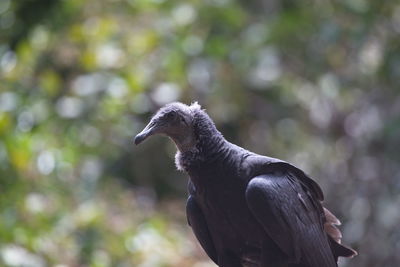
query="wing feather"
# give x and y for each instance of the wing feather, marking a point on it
(291, 216)
(199, 226)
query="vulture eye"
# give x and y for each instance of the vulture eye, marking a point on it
(170, 115)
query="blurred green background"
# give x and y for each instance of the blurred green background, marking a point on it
(315, 83)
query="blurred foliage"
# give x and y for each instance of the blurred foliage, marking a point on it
(312, 82)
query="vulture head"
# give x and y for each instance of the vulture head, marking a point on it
(174, 120)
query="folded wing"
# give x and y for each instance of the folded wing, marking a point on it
(199, 226)
(292, 217)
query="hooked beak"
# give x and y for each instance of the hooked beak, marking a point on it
(146, 132)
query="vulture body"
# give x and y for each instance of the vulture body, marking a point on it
(246, 209)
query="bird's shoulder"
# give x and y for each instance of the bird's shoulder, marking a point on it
(254, 165)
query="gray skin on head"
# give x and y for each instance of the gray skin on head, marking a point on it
(175, 120)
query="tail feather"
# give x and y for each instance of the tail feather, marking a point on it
(330, 226)
(340, 250)
(335, 237)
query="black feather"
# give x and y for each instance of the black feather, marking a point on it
(251, 210)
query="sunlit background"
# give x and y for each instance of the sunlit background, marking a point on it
(315, 83)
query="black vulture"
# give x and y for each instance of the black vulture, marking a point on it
(246, 209)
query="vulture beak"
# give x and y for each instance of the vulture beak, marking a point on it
(149, 130)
